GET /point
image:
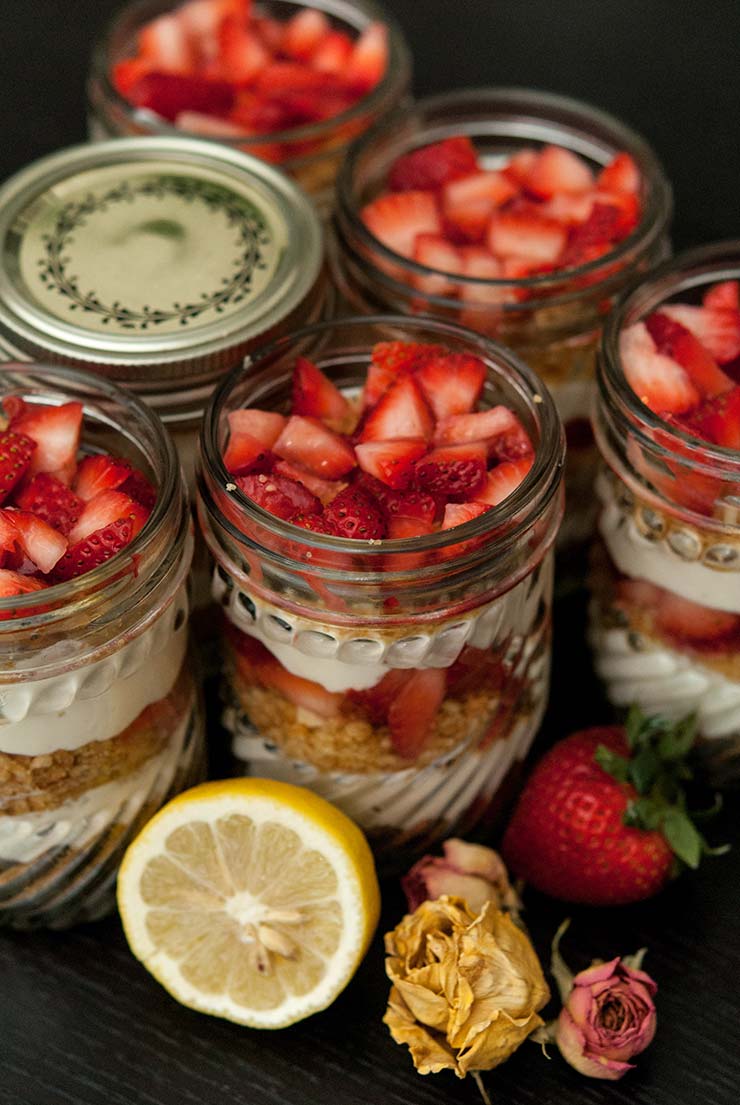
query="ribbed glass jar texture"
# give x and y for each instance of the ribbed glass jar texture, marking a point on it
(100, 716)
(340, 615)
(665, 615)
(551, 321)
(312, 153)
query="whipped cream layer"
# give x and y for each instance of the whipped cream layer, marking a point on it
(636, 556)
(664, 681)
(96, 701)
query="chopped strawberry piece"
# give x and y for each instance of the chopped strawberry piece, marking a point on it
(456, 514)
(457, 471)
(658, 381)
(479, 426)
(413, 710)
(602, 227)
(279, 495)
(681, 618)
(504, 479)
(322, 489)
(165, 42)
(450, 382)
(391, 359)
(12, 584)
(473, 669)
(241, 56)
(16, 451)
(526, 233)
(402, 412)
(724, 294)
(718, 329)
(570, 208)
(397, 218)
(676, 341)
(628, 206)
(376, 701)
(391, 461)
(718, 419)
(429, 167)
(314, 394)
(480, 264)
(332, 53)
(355, 514)
(417, 505)
(170, 94)
(469, 202)
(304, 32)
(401, 527)
(369, 58)
(56, 431)
(103, 510)
(520, 165)
(140, 489)
(620, 175)
(51, 501)
(252, 433)
(100, 473)
(127, 73)
(317, 523)
(95, 549)
(36, 539)
(558, 170)
(435, 252)
(307, 442)
(246, 454)
(515, 443)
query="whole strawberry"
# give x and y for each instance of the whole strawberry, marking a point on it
(602, 819)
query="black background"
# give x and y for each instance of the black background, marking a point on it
(80, 1022)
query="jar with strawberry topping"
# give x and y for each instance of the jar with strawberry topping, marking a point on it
(518, 213)
(384, 568)
(100, 719)
(289, 83)
(665, 625)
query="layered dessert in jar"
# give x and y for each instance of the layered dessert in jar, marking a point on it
(100, 719)
(381, 497)
(287, 82)
(519, 214)
(666, 575)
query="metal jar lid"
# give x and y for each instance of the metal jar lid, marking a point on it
(155, 261)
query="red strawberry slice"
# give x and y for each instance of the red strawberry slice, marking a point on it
(56, 431)
(571, 208)
(100, 473)
(252, 433)
(397, 218)
(304, 32)
(41, 544)
(322, 489)
(315, 395)
(430, 167)
(375, 701)
(456, 471)
(95, 549)
(628, 206)
(241, 55)
(246, 454)
(355, 514)
(689, 621)
(13, 583)
(279, 495)
(676, 341)
(480, 264)
(513, 444)
(51, 501)
(165, 42)
(526, 233)
(307, 442)
(402, 412)
(435, 252)
(391, 461)
(256, 664)
(402, 504)
(718, 328)
(401, 527)
(333, 53)
(450, 382)
(170, 94)
(369, 58)
(140, 489)
(724, 294)
(16, 451)
(456, 514)
(620, 175)
(127, 73)
(601, 228)
(558, 170)
(413, 710)
(520, 165)
(717, 420)
(391, 359)
(504, 479)
(105, 509)
(479, 426)
(314, 522)
(469, 202)
(660, 383)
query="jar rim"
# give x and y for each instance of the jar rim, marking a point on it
(653, 221)
(393, 81)
(63, 595)
(692, 268)
(530, 498)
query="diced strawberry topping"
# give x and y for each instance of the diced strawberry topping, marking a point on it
(16, 451)
(726, 293)
(527, 234)
(13, 583)
(558, 170)
(304, 32)
(469, 202)
(620, 175)
(681, 618)
(456, 514)
(587, 240)
(279, 495)
(414, 504)
(258, 665)
(95, 549)
(658, 381)
(435, 252)
(450, 382)
(430, 167)
(165, 42)
(479, 426)
(369, 58)
(51, 501)
(504, 479)
(456, 471)
(322, 489)
(401, 527)
(56, 431)
(171, 94)
(352, 513)
(717, 328)
(391, 461)
(717, 419)
(308, 442)
(37, 541)
(333, 53)
(317, 523)
(252, 433)
(140, 489)
(413, 710)
(376, 701)
(100, 473)
(391, 359)
(397, 218)
(402, 412)
(103, 510)
(676, 341)
(315, 395)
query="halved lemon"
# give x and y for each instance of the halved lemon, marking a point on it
(250, 899)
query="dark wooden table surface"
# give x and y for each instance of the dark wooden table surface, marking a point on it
(80, 1022)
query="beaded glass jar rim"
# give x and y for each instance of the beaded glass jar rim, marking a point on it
(532, 114)
(526, 504)
(356, 14)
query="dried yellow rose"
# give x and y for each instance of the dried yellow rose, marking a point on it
(466, 988)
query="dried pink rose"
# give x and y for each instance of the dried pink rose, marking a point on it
(469, 871)
(608, 1018)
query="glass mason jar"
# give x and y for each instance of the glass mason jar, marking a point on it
(552, 321)
(100, 717)
(668, 561)
(341, 615)
(311, 153)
